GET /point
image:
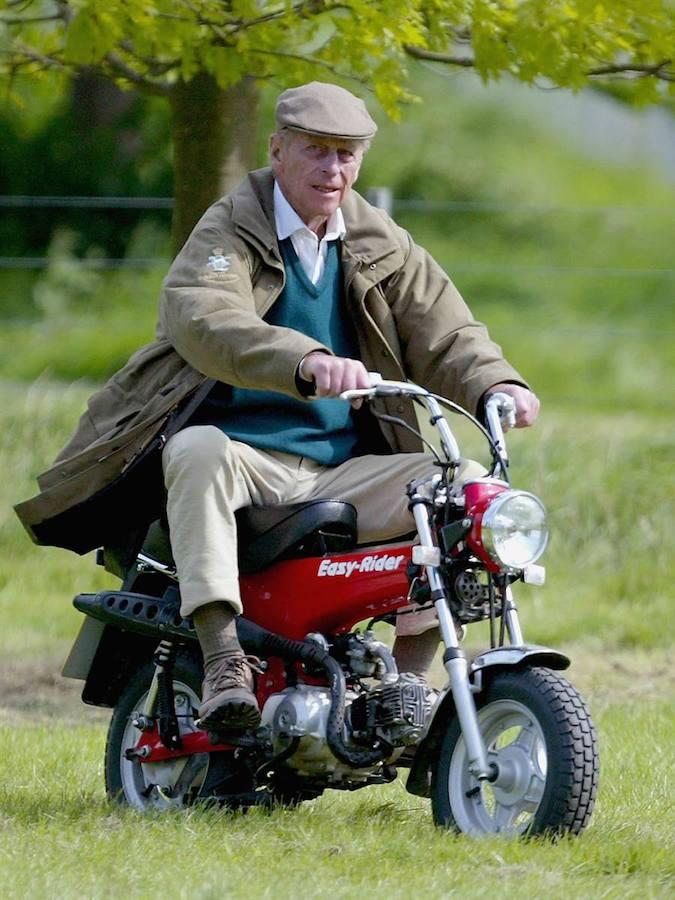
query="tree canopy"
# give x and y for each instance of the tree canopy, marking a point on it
(153, 43)
(208, 56)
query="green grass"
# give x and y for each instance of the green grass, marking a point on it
(60, 837)
(607, 603)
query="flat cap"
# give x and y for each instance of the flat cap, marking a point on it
(326, 109)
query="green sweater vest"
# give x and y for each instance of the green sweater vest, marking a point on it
(322, 430)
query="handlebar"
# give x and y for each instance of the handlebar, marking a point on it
(500, 412)
(503, 406)
(382, 388)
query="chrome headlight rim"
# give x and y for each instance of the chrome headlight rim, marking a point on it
(488, 522)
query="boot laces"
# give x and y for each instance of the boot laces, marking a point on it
(232, 672)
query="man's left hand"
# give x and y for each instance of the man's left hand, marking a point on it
(527, 403)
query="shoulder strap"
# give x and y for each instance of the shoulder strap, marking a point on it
(182, 414)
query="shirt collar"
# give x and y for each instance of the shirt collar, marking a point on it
(288, 222)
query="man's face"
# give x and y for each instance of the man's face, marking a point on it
(314, 173)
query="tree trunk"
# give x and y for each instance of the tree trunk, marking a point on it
(214, 145)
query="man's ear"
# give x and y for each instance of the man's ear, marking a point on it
(274, 147)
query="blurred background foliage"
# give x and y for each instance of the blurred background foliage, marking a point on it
(566, 255)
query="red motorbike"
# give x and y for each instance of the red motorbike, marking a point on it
(508, 746)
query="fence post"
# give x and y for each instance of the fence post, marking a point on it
(382, 197)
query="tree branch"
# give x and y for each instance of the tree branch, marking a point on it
(30, 21)
(656, 70)
(149, 85)
(223, 29)
(242, 24)
(430, 55)
(24, 56)
(155, 67)
(313, 61)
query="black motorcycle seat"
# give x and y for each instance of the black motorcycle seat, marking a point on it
(267, 534)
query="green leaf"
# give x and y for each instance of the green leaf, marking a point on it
(87, 39)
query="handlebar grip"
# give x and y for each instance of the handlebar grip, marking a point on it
(505, 406)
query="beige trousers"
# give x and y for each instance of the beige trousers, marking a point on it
(208, 477)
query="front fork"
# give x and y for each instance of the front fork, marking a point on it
(454, 658)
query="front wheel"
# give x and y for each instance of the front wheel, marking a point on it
(539, 734)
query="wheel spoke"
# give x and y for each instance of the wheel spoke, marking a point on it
(527, 737)
(505, 816)
(535, 790)
(169, 783)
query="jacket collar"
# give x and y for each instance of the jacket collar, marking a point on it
(369, 244)
(253, 213)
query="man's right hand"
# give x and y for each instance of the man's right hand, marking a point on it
(334, 374)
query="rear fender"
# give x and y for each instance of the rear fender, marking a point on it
(481, 671)
(104, 658)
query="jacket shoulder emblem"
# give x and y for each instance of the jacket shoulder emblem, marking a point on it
(218, 262)
(217, 267)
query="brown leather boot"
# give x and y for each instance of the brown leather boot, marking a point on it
(229, 705)
(228, 702)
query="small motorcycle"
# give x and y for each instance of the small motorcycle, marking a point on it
(508, 746)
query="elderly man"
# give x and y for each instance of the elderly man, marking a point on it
(291, 288)
(287, 293)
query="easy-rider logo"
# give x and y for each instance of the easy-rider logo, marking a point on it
(384, 563)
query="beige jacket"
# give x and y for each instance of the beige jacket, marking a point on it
(410, 320)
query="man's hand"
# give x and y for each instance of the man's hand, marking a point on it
(334, 374)
(527, 403)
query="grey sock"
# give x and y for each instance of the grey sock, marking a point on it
(415, 652)
(216, 628)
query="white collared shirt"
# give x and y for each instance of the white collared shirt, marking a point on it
(311, 251)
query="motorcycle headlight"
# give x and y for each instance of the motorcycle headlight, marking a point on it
(514, 530)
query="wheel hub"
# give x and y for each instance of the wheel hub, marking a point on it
(515, 773)
(166, 783)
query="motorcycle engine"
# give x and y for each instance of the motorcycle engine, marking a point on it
(393, 711)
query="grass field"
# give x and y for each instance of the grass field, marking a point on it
(61, 838)
(607, 603)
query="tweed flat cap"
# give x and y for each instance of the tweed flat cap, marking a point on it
(325, 109)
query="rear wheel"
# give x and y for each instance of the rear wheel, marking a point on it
(172, 783)
(539, 734)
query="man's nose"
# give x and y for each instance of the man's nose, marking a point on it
(331, 162)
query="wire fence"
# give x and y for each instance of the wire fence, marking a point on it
(379, 196)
